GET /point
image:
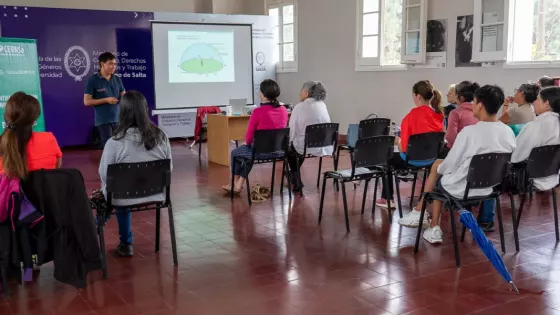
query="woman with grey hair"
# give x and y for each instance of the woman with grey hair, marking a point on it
(310, 111)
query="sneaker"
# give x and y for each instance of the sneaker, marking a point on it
(486, 227)
(412, 220)
(433, 235)
(124, 250)
(382, 203)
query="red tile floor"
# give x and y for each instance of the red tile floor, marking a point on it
(274, 259)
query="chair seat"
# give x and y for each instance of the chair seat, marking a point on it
(358, 173)
(471, 201)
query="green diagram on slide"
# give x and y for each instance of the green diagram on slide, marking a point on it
(201, 58)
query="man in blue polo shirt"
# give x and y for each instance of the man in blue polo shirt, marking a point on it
(103, 91)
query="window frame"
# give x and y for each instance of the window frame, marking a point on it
(490, 56)
(285, 66)
(509, 63)
(419, 58)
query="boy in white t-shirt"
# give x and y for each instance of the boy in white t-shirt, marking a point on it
(489, 135)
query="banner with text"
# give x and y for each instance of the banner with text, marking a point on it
(19, 71)
(265, 57)
(69, 42)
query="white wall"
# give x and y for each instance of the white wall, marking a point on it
(197, 6)
(327, 49)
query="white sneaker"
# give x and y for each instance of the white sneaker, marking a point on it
(412, 220)
(433, 235)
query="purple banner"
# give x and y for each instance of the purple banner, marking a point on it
(69, 43)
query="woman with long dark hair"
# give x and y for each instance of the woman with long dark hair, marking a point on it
(21, 149)
(136, 139)
(270, 115)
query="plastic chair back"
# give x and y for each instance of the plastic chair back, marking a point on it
(373, 151)
(424, 146)
(544, 161)
(487, 171)
(321, 135)
(374, 127)
(271, 140)
(138, 180)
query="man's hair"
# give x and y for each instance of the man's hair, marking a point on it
(492, 97)
(106, 56)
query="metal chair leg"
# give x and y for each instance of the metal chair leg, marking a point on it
(413, 189)
(419, 233)
(365, 195)
(343, 184)
(374, 195)
(322, 198)
(555, 206)
(513, 218)
(463, 232)
(283, 176)
(101, 227)
(501, 225)
(272, 180)
(158, 219)
(172, 231)
(319, 172)
(284, 168)
(232, 183)
(426, 172)
(522, 203)
(455, 243)
(387, 191)
(398, 188)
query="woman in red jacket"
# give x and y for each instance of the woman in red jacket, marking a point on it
(426, 117)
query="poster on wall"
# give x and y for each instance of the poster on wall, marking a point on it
(69, 41)
(19, 71)
(436, 45)
(264, 60)
(464, 42)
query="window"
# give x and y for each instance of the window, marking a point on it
(534, 35)
(382, 32)
(489, 40)
(285, 23)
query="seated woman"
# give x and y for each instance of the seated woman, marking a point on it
(312, 110)
(136, 139)
(270, 115)
(426, 117)
(544, 130)
(452, 104)
(524, 96)
(462, 116)
(21, 149)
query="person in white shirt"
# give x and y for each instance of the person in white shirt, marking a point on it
(489, 135)
(310, 111)
(544, 130)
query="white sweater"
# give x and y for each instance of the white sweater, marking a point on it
(308, 112)
(481, 138)
(544, 130)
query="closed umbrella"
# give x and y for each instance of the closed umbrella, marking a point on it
(486, 246)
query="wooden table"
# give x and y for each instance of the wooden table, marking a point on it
(221, 130)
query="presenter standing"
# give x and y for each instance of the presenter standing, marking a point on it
(103, 91)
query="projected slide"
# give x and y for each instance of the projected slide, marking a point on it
(201, 57)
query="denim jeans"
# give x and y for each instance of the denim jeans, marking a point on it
(123, 219)
(105, 133)
(488, 212)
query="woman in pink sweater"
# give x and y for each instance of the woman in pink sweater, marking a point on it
(463, 115)
(270, 115)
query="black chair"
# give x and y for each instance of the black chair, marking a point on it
(367, 128)
(319, 136)
(485, 171)
(369, 160)
(542, 162)
(421, 147)
(139, 180)
(267, 142)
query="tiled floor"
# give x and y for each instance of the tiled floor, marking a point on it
(274, 259)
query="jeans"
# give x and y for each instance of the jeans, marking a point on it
(124, 221)
(105, 133)
(487, 212)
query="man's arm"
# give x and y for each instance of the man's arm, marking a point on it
(89, 101)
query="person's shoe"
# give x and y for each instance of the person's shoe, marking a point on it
(433, 235)
(227, 189)
(124, 250)
(382, 203)
(487, 226)
(412, 220)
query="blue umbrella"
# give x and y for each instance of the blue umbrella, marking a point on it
(486, 246)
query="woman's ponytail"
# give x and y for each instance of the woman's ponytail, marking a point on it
(436, 101)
